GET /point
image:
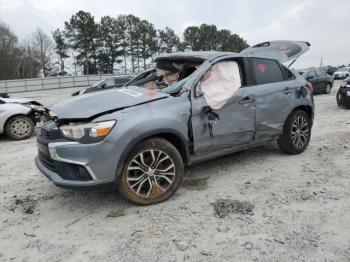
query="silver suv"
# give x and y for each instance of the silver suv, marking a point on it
(192, 107)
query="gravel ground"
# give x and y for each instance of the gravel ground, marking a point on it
(256, 205)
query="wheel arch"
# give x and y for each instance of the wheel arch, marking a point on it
(30, 115)
(15, 115)
(172, 136)
(308, 109)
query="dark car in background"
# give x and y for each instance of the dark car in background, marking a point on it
(110, 82)
(321, 81)
(343, 95)
(330, 70)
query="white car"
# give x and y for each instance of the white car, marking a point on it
(18, 117)
(342, 73)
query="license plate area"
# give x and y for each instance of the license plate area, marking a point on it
(348, 93)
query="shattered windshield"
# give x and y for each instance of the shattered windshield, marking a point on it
(168, 76)
(174, 88)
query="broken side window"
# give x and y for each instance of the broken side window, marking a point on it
(220, 83)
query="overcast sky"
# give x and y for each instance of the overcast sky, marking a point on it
(324, 23)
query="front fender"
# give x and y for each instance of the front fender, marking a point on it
(162, 117)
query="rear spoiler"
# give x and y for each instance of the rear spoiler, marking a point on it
(4, 95)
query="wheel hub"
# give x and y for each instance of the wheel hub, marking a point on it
(150, 173)
(300, 132)
(20, 127)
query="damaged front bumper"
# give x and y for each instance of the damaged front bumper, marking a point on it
(73, 165)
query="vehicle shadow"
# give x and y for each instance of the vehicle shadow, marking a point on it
(195, 180)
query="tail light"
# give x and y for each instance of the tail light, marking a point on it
(310, 86)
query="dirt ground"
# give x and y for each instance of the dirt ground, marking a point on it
(257, 205)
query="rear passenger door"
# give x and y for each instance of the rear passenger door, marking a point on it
(273, 87)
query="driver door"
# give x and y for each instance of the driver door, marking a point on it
(225, 129)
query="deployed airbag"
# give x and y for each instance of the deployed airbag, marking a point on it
(220, 83)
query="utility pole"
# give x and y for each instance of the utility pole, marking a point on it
(321, 63)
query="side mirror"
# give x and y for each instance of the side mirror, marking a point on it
(103, 85)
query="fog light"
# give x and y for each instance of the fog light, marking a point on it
(53, 153)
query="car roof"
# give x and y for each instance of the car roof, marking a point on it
(308, 70)
(195, 55)
(118, 76)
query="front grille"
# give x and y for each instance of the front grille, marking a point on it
(44, 132)
(47, 161)
(50, 134)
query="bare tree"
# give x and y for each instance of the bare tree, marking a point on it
(43, 49)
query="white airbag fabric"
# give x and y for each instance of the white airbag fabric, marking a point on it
(220, 83)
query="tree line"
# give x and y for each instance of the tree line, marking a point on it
(126, 42)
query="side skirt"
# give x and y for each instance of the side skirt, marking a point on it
(229, 150)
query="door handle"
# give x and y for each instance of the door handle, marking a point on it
(288, 90)
(247, 100)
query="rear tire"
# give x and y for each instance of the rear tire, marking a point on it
(338, 96)
(19, 127)
(296, 133)
(328, 89)
(152, 172)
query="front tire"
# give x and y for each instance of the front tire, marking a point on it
(19, 127)
(296, 133)
(152, 172)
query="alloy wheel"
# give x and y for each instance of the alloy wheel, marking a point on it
(300, 132)
(151, 173)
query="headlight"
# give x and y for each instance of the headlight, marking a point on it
(88, 132)
(34, 107)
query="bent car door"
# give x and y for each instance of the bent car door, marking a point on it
(273, 92)
(229, 122)
(281, 50)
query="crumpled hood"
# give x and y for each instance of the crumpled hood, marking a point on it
(90, 105)
(16, 100)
